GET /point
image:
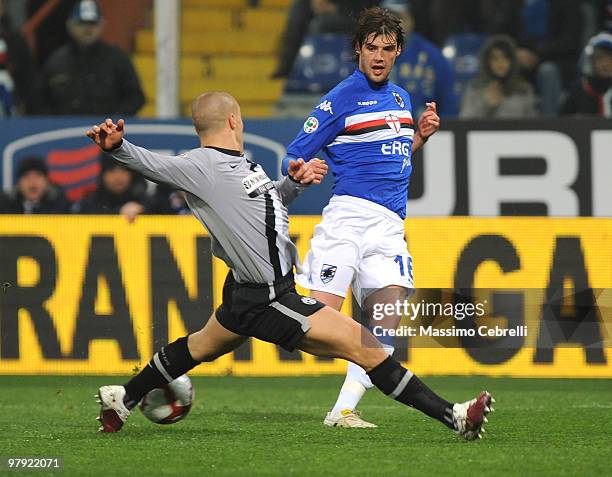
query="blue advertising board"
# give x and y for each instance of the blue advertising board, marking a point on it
(555, 167)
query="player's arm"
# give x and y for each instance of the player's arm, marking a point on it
(429, 123)
(178, 172)
(325, 122)
(300, 175)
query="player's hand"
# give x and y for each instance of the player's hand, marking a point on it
(311, 172)
(107, 135)
(429, 122)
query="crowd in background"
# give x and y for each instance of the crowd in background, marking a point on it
(547, 57)
(73, 70)
(537, 57)
(118, 191)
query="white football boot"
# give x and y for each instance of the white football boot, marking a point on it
(347, 418)
(113, 412)
(470, 416)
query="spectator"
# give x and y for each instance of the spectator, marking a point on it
(18, 86)
(421, 69)
(548, 33)
(119, 192)
(593, 92)
(34, 193)
(315, 16)
(499, 91)
(549, 37)
(78, 76)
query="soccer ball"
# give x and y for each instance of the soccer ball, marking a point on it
(170, 403)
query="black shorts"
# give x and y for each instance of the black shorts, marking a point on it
(277, 314)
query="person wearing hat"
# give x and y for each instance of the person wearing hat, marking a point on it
(79, 75)
(592, 93)
(119, 192)
(421, 68)
(34, 193)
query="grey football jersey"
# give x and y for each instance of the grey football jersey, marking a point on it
(244, 211)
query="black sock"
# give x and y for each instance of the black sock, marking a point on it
(400, 384)
(172, 361)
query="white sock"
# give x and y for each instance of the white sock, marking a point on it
(355, 385)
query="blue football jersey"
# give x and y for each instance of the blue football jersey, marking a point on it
(366, 132)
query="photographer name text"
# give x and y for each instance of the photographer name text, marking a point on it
(453, 331)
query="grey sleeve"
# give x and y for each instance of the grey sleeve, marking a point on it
(288, 190)
(181, 172)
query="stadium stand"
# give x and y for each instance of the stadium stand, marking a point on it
(225, 44)
(462, 51)
(322, 62)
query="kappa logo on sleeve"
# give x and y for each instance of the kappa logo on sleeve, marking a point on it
(326, 106)
(311, 125)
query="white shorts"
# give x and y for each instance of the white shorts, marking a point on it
(358, 243)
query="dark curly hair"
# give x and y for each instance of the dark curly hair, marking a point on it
(379, 21)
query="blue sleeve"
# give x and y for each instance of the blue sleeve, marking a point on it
(325, 122)
(449, 105)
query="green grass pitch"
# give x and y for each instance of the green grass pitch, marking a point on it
(272, 426)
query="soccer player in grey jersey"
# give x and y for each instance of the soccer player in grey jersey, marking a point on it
(245, 214)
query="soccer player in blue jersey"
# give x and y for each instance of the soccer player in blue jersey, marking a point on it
(365, 126)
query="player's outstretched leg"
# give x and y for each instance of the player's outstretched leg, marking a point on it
(170, 362)
(333, 334)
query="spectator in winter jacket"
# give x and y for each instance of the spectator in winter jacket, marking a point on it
(593, 91)
(34, 193)
(88, 76)
(119, 192)
(499, 91)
